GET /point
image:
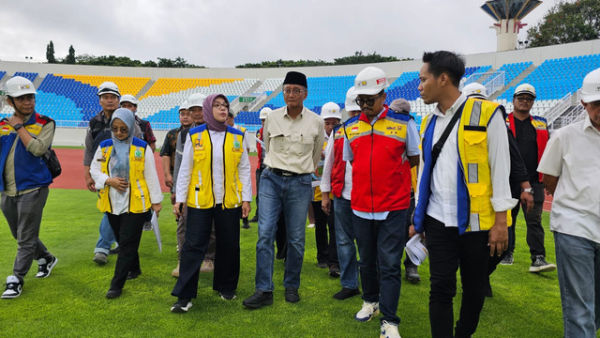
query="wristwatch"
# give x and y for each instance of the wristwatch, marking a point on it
(529, 190)
(18, 126)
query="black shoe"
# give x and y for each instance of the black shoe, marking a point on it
(254, 219)
(322, 265)
(334, 271)
(346, 293)
(539, 264)
(45, 266)
(227, 295)
(246, 225)
(111, 294)
(181, 306)
(258, 300)
(114, 251)
(291, 295)
(280, 255)
(133, 274)
(412, 274)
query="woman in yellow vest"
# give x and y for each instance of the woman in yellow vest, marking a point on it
(214, 182)
(125, 175)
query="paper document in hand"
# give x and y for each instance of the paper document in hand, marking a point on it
(416, 251)
(154, 222)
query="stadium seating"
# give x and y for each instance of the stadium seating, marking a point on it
(30, 76)
(127, 85)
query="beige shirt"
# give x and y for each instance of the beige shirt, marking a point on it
(573, 155)
(37, 147)
(293, 144)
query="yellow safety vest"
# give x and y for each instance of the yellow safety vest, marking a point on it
(139, 195)
(200, 189)
(472, 142)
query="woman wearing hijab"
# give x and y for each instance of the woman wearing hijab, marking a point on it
(214, 182)
(125, 175)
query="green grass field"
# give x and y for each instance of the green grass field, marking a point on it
(71, 301)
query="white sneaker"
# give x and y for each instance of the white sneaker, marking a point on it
(368, 311)
(13, 288)
(311, 225)
(389, 330)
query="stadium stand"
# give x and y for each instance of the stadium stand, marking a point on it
(70, 98)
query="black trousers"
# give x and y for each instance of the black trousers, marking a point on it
(447, 252)
(197, 235)
(535, 231)
(128, 232)
(281, 237)
(324, 226)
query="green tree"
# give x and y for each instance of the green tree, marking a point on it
(359, 58)
(567, 22)
(70, 59)
(50, 52)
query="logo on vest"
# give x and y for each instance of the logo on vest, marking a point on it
(137, 154)
(198, 145)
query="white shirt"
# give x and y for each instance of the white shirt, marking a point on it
(412, 149)
(187, 162)
(327, 169)
(443, 200)
(120, 200)
(573, 155)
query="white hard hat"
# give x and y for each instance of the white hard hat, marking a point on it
(129, 98)
(370, 81)
(350, 104)
(196, 100)
(108, 88)
(590, 90)
(525, 88)
(264, 112)
(475, 89)
(331, 110)
(184, 105)
(19, 86)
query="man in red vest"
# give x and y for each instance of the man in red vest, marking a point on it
(382, 146)
(531, 133)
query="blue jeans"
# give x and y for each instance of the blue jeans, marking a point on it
(292, 194)
(380, 246)
(344, 236)
(578, 261)
(107, 236)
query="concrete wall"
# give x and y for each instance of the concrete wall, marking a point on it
(393, 69)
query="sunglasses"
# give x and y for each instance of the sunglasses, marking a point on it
(367, 101)
(123, 130)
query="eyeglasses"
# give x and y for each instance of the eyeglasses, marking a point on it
(367, 101)
(295, 91)
(525, 99)
(123, 130)
(219, 105)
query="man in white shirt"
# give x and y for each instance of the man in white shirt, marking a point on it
(463, 192)
(571, 175)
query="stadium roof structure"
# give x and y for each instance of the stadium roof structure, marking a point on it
(509, 9)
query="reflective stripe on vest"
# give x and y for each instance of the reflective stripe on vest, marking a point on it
(200, 189)
(139, 195)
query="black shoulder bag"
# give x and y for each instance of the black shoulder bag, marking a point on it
(437, 147)
(52, 162)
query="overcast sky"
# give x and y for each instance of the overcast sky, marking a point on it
(225, 33)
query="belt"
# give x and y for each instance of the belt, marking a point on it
(285, 173)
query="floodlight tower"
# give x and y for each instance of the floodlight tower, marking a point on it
(508, 15)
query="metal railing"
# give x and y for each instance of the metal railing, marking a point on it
(555, 112)
(493, 81)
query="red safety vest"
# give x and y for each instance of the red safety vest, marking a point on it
(380, 169)
(338, 172)
(541, 130)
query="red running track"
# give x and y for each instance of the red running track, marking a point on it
(71, 161)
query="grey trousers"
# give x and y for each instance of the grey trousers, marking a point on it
(24, 216)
